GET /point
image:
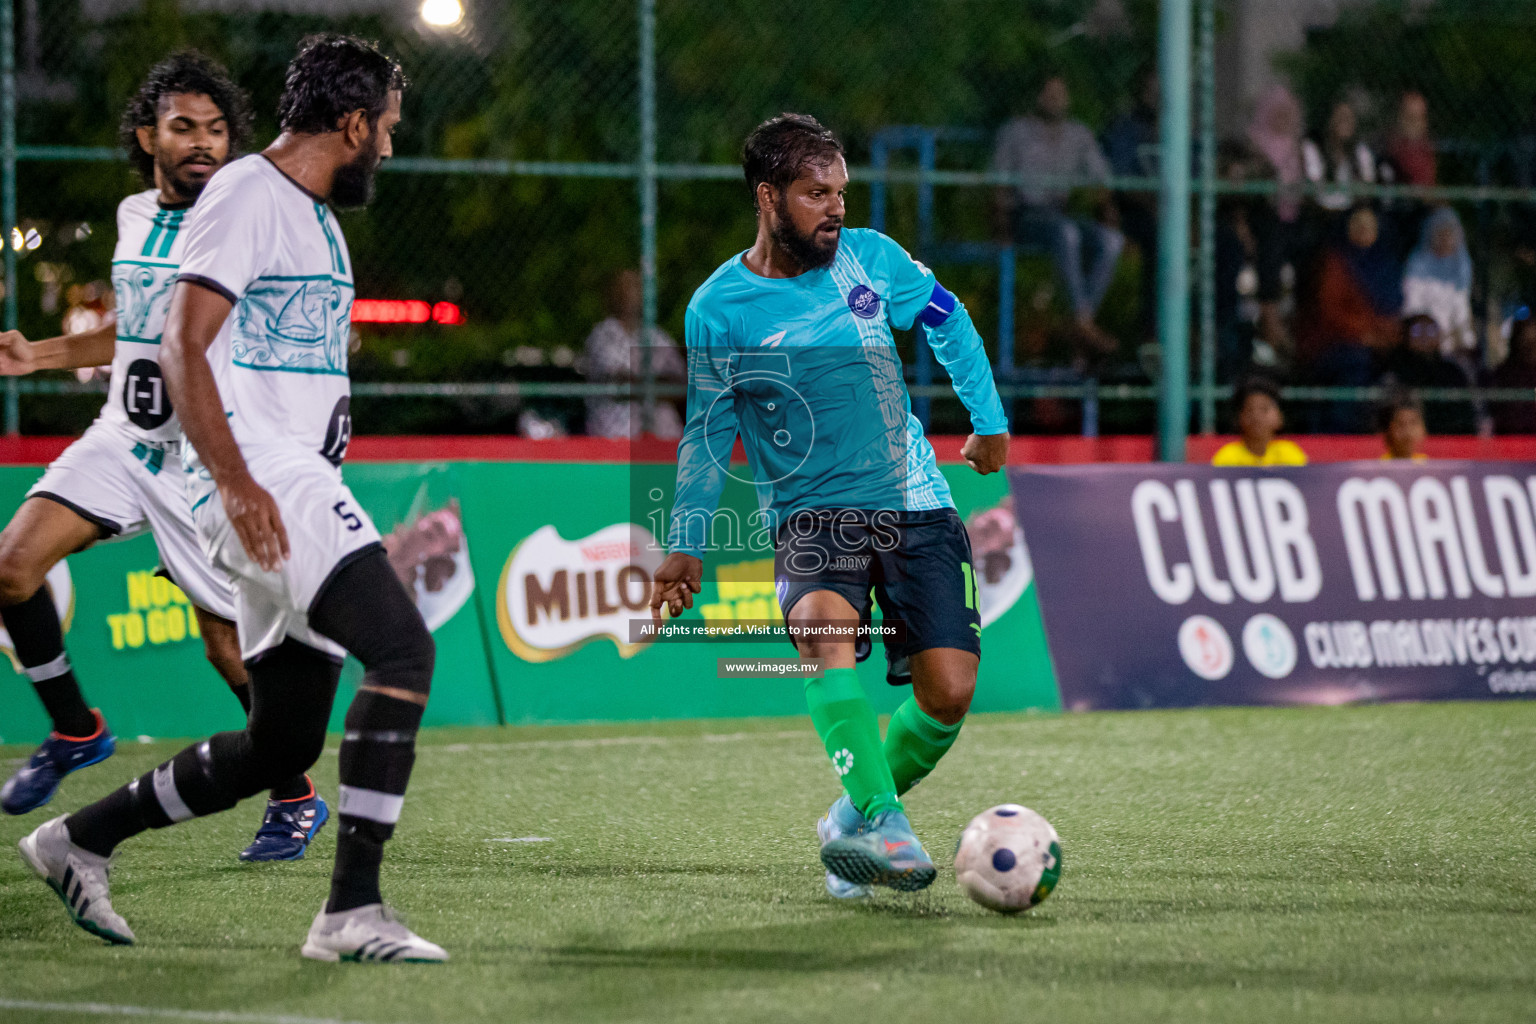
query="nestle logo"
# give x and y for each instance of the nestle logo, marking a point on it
(864, 302)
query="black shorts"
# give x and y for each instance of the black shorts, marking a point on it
(916, 564)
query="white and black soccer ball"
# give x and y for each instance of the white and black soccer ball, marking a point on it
(1009, 858)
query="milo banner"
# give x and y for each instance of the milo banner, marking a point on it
(528, 574)
(1166, 586)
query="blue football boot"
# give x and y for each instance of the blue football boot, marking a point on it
(34, 783)
(887, 853)
(841, 820)
(288, 828)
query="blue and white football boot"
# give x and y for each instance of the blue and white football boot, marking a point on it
(886, 853)
(34, 783)
(841, 820)
(288, 828)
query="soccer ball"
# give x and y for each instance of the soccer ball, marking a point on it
(1009, 858)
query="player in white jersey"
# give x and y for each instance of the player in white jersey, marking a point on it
(255, 361)
(124, 475)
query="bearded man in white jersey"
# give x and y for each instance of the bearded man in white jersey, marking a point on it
(124, 475)
(255, 360)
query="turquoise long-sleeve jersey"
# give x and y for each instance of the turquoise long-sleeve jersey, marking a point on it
(804, 370)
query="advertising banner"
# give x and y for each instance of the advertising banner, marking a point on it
(529, 575)
(1178, 585)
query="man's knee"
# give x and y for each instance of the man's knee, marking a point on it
(19, 578)
(280, 753)
(944, 682)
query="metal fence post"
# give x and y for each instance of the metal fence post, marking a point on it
(647, 17)
(1207, 216)
(8, 193)
(1173, 231)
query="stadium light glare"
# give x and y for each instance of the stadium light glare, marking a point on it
(442, 13)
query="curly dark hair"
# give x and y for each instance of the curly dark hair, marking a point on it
(780, 148)
(180, 74)
(332, 76)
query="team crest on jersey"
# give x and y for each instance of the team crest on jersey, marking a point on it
(864, 302)
(299, 325)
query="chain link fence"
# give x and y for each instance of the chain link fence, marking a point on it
(1012, 146)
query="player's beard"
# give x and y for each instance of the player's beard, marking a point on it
(352, 185)
(185, 186)
(807, 252)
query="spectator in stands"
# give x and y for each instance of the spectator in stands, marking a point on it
(1085, 250)
(1259, 420)
(1275, 138)
(1131, 144)
(1409, 155)
(1438, 281)
(1338, 156)
(613, 357)
(1518, 371)
(1418, 362)
(1400, 421)
(1353, 316)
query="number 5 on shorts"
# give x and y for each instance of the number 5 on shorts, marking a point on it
(352, 520)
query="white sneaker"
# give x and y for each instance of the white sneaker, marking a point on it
(370, 934)
(78, 876)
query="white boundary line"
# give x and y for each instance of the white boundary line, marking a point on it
(214, 1016)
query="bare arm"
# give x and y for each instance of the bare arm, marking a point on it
(19, 357)
(196, 315)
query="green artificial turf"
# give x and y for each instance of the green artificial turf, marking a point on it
(1360, 864)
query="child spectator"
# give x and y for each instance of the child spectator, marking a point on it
(1418, 362)
(1400, 420)
(1259, 419)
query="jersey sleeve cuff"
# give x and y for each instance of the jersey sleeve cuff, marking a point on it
(210, 284)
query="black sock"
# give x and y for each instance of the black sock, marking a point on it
(359, 853)
(296, 788)
(39, 643)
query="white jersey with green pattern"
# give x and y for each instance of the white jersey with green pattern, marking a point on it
(276, 252)
(145, 263)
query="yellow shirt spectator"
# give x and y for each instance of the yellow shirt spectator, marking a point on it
(1278, 453)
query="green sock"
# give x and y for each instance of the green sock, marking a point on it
(914, 743)
(846, 723)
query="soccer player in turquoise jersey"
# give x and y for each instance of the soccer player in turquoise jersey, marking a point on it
(790, 349)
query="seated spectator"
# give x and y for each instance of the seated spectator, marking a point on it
(1259, 419)
(613, 357)
(1417, 362)
(1437, 281)
(1400, 421)
(1353, 316)
(1518, 371)
(1409, 156)
(1275, 138)
(1131, 144)
(1338, 156)
(1085, 251)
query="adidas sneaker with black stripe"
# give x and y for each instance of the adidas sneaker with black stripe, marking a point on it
(369, 934)
(78, 876)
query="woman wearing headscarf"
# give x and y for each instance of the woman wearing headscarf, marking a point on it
(1275, 138)
(1437, 282)
(1353, 318)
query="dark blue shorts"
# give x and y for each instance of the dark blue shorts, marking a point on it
(917, 565)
